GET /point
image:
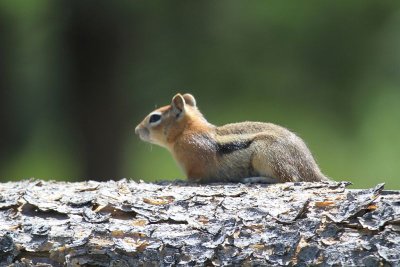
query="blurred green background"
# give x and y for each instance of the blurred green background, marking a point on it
(77, 76)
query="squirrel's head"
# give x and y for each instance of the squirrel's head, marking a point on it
(163, 125)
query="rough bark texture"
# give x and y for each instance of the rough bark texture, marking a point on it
(126, 223)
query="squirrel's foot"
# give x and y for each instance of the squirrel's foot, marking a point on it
(259, 180)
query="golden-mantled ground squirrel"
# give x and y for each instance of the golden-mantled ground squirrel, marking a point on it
(237, 152)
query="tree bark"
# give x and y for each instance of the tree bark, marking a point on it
(126, 223)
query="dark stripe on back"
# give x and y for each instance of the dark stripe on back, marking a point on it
(227, 148)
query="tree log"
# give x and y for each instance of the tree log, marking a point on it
(126, 223)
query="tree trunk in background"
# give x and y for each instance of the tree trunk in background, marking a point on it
(4, 118)
(167, 224)
(9, 135)
(94, 38)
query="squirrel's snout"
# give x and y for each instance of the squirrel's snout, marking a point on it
(142, 132)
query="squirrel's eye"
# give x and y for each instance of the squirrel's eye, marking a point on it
(155, 118)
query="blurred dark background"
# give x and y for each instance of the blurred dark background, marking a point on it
(77, 76)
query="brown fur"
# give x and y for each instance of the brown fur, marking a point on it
(231, 152)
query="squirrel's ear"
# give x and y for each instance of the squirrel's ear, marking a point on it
(178, 104)
(189, 99)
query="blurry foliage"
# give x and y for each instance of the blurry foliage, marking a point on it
(77, 76)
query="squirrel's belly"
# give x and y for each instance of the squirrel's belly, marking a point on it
(237, 174)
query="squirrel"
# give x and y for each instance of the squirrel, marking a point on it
(238, 152)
